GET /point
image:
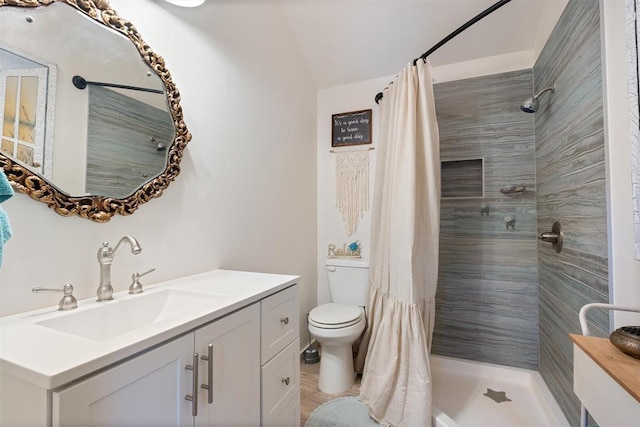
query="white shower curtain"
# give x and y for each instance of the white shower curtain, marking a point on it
(396, 382)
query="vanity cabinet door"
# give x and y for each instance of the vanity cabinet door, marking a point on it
(147, 390)
(231, 376)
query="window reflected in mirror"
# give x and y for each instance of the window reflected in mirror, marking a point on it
(23, 103)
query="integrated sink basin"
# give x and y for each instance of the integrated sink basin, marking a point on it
(120, 316)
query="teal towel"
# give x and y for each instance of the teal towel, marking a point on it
(5, 231)
(6, 192)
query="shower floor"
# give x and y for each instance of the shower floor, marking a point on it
(460, 388)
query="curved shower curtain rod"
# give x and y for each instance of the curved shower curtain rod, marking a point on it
(463, 27)
(80, 83)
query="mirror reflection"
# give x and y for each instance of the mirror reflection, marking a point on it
(99, 147)
(107, 139)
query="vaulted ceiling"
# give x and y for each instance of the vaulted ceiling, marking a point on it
(346, 41)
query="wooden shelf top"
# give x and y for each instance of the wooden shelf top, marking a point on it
(624, 369)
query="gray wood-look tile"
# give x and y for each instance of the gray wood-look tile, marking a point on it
(570, 177)
(486, 304)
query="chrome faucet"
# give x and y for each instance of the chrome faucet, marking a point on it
(105, 258)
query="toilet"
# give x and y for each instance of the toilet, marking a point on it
(338, 324)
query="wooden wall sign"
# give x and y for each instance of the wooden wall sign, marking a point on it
(352, 128)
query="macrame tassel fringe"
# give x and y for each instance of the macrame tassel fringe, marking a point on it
(352, 187)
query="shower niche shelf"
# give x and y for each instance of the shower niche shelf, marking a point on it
(462, 179)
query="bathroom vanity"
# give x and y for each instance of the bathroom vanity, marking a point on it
(218, 348)
(606, 381)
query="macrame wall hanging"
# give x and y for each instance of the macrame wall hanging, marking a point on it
(352, 186)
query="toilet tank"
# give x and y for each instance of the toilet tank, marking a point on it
(348, 280)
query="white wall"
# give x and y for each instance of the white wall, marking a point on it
(341, 99)
(624, 270)
(246, 197)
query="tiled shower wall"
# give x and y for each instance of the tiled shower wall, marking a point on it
(487, 298)
(570, 176)
(495, 283)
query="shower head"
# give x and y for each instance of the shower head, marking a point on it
(530, 105)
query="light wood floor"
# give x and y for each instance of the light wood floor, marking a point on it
(311, 397)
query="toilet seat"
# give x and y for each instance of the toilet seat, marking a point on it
(335, 316)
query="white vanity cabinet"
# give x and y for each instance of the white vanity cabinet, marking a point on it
(150, 389)
(222, 350)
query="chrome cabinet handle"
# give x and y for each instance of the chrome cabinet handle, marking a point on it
(286, 380)
(284, 320)
(209, 385)
(193, 397)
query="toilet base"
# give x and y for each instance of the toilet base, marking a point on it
(336, 369)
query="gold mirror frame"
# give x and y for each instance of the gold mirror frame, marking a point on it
(100, 208)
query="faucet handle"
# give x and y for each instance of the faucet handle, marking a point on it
(136, 286)
(68, 301)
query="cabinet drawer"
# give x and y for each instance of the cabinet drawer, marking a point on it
(280, 321)
(280, 382)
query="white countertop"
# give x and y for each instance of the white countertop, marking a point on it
(50, 358)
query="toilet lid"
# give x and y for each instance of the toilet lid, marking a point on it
(335, 315)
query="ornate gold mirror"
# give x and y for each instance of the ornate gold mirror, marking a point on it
(91, 121)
